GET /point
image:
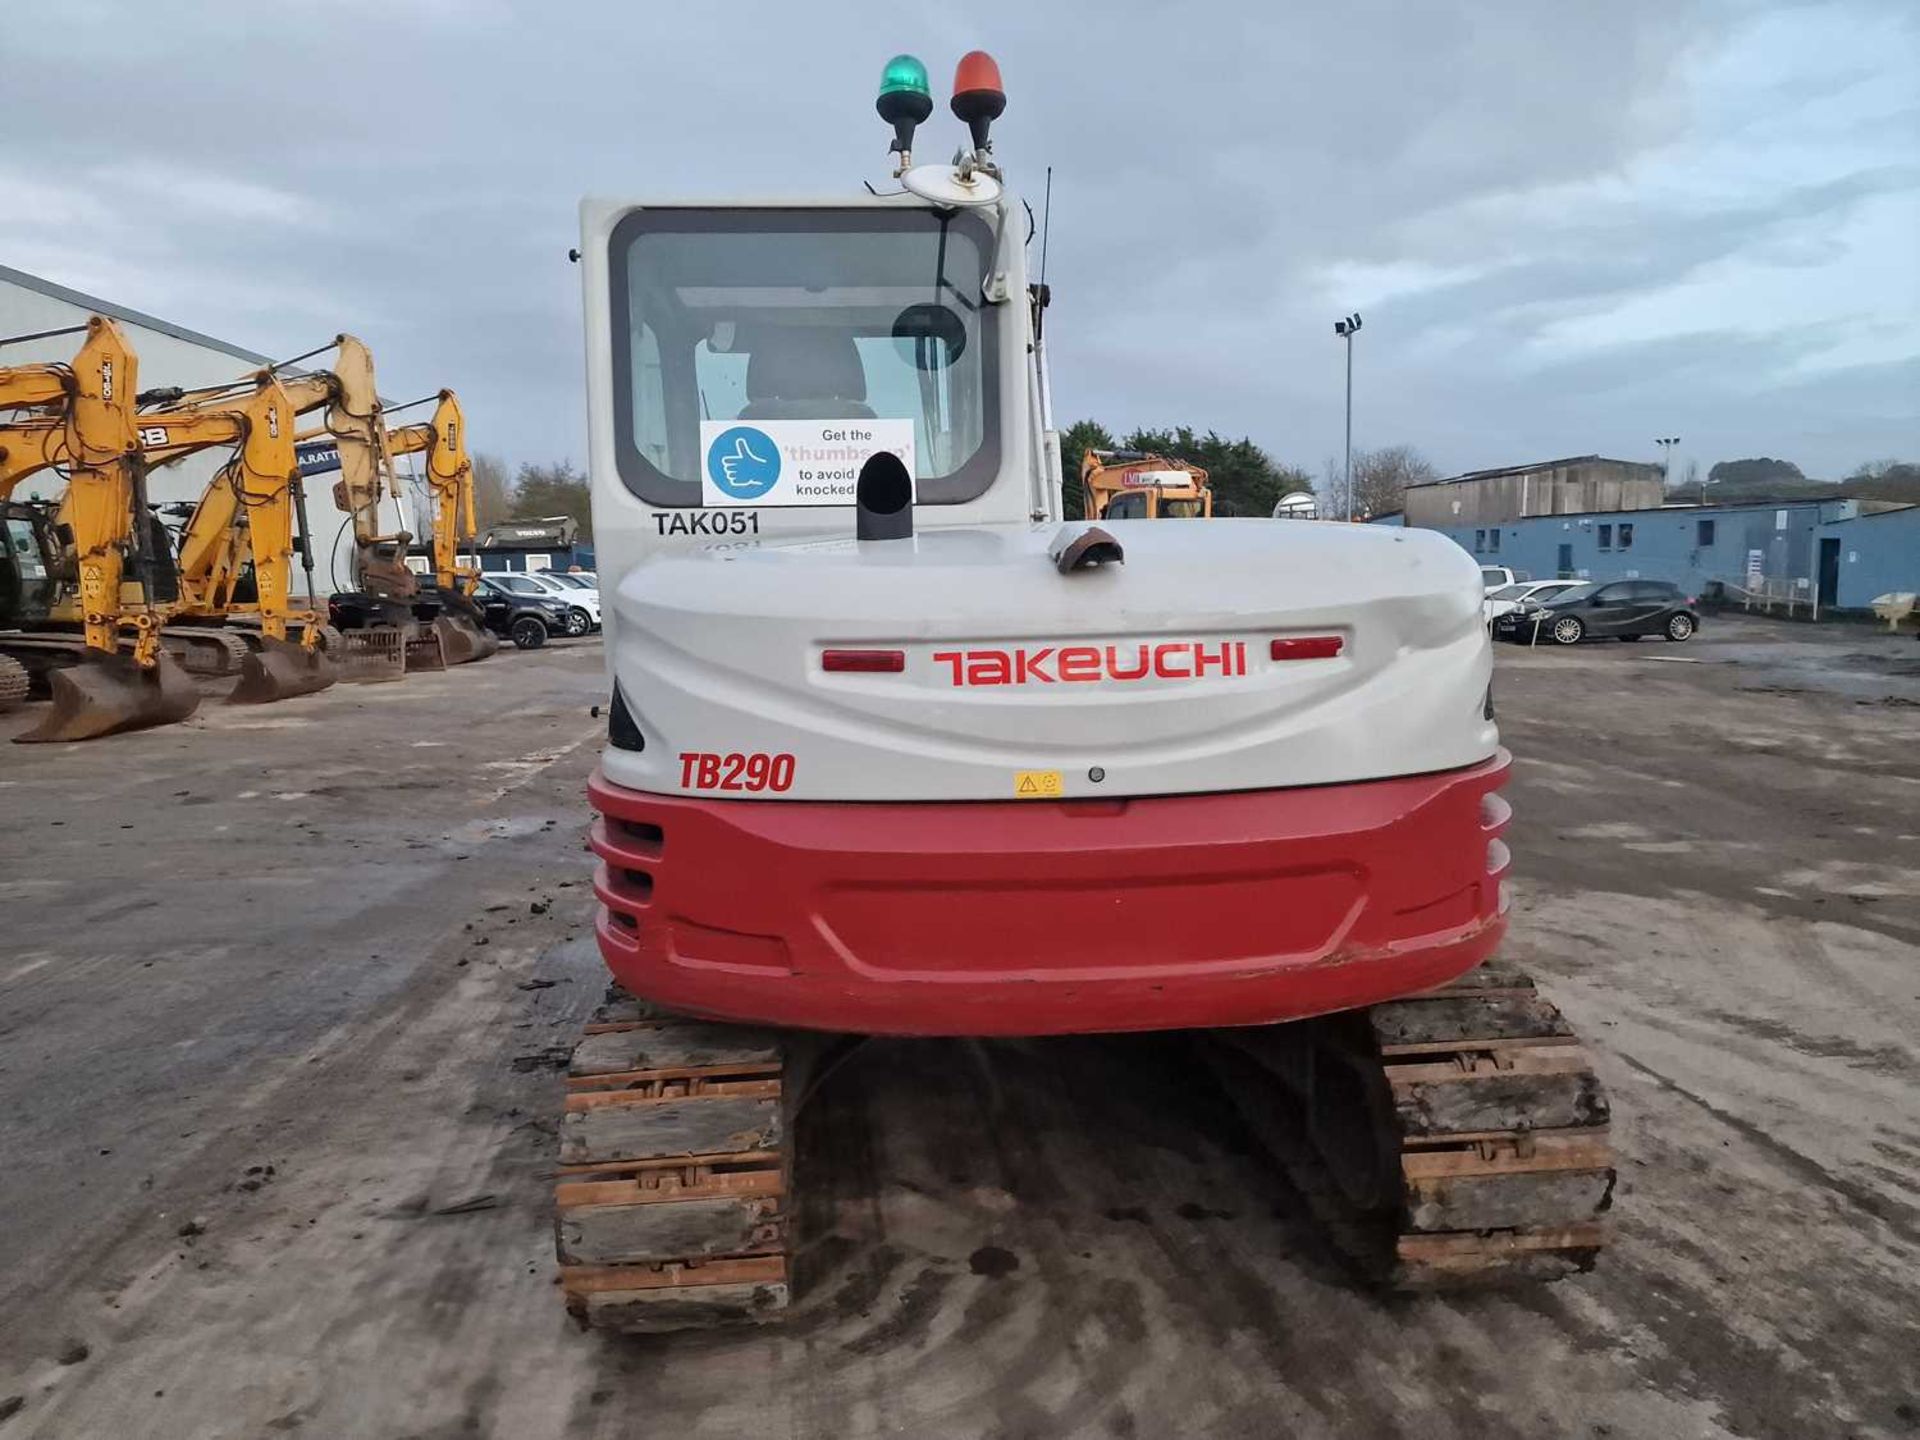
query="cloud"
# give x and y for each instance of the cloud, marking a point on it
(1554, 217)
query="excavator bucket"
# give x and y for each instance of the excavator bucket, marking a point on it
(105, 694)
(280, 670)
(461, 640)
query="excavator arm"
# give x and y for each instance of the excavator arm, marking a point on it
(354, 420)
(246, 512)
(443, 439)
(450, 477)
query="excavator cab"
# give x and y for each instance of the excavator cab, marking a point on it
(29, 565)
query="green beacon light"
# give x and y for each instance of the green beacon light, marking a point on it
(905, 100)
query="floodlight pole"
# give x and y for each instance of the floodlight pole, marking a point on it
(1345, 329)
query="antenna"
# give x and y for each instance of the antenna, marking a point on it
(1046, 224)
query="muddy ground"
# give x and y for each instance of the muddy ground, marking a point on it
(279, 993)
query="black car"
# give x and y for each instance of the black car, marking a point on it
(527, 620)
(1617, 610)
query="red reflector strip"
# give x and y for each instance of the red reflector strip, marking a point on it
(1305, 647)
(864, 662)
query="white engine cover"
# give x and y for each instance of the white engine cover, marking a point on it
(1155, 674)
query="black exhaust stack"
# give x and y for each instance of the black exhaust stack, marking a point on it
(883, 499)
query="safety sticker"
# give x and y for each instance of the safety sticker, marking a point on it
(1037, 785)
(794, 462)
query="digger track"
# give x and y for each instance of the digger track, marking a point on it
(14, 683)
(206, 649)
(1500, 1125)
(671, 1205)
(672, 1202)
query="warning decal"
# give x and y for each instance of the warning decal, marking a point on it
(1036, 784)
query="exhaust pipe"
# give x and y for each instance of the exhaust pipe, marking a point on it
(281, 670)
(106, 694)
(883, 499)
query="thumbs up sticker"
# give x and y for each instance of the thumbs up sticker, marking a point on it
(795, 462)
(743, 462)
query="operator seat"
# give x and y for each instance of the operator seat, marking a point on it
(802, 374)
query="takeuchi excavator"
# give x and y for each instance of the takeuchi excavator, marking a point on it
(1138, 485)
(245, 515)
(112, 674)
(895, 749)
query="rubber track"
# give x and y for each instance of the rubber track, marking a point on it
(670, 1209)
(1501, 1127)
(14, 682)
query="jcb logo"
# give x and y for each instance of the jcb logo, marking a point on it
(152, 437)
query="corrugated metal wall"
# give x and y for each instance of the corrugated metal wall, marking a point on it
(1689, 546)
(1876, 555)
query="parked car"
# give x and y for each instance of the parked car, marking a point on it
(526, 619)
(1495, 577)
(577, 580)
(582, 607)
(1508, 597)
(1618, 610)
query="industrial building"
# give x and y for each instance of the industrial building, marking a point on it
(1551, 487)
(1836, 554)
(1591, 518)
(169, 354)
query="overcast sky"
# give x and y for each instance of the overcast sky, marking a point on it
(1570, 226)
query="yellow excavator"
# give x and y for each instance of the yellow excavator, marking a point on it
(1138, 485)
(387, 596)
(443, 440)
(80, 419)
(246, 513)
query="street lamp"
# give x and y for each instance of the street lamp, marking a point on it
(1346, 329)
(1666, 445)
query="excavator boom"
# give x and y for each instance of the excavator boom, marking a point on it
(246, 512)
(450, 478)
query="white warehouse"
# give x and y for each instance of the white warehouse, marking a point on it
(169, 355)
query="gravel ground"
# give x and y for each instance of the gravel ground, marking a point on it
(280, 992)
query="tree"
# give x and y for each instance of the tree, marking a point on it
(1764, 470)
(1691, 479)
(1884, 480)
(1885, 470)
(1075, 441)
(541, 491)
(1380, 480)
(492, 490)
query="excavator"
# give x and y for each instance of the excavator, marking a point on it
(80, 419)
(245, 514)
(443, 439)
(1136, 485)
(386, 609)
(894, 748)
